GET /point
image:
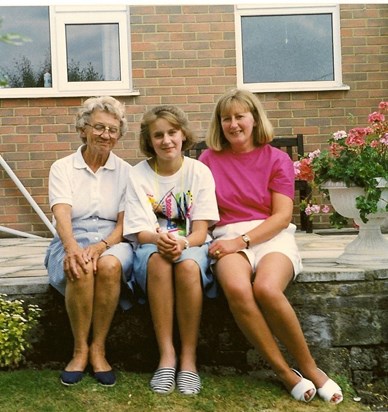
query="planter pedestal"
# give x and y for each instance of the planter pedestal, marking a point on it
(369, 248)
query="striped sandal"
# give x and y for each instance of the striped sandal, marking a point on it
(189, 383)
(163, 381)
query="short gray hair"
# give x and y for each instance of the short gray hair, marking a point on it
(106, 104)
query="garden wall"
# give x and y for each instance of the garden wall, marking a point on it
(344, 316)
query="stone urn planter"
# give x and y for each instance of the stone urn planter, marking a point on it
(369, 248)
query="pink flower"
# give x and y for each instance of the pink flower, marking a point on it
(314, 154)
(383, 105)
(315, 208)
(325, 209)
(311, 209)
(348, 151)
(335, 149)
(356, 137)
(303, 170)
(308, 211)
(339, 135)
(384, 139)
(376, 117)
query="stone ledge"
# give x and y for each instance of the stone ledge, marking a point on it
(344, 322)
(24, 286)
(39, 283)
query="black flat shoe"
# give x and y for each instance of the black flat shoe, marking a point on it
(107, 378)
(69, 378)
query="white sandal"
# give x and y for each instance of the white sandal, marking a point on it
(329, 389)
(299, 390)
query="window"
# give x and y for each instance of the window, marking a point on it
(288, 48)
(69, 51)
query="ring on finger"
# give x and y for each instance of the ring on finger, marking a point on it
(217, 252)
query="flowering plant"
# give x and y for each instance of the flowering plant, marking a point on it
(357, 158)
(17, 322)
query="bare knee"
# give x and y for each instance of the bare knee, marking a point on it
(261, 288)
(238, 293)
(187, 274)
(158, 269)
(108, 269)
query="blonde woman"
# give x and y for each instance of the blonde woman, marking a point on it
(254, 248)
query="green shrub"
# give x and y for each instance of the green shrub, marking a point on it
(17, 321)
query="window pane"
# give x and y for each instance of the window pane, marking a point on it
(25, 65)
(288, 48)
(92, 52)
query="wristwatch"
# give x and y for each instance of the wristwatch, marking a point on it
(246, 239)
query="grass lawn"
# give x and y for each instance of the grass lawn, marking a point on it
(41, 391)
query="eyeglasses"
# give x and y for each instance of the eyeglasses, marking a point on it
(99, 129)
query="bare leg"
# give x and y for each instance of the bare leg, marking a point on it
(272, 277)
(234, 275)
(160, 291)
(79, 306)
(106, 296)
(189, 307)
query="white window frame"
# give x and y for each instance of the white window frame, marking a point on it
(59, 17)
(281, 10)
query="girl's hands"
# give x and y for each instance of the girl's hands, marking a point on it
(168, 246)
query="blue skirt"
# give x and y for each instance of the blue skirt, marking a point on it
(197, 253)
(87, 232)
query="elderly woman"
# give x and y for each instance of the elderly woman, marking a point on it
(88, 257)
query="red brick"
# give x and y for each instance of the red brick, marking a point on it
(186, 55)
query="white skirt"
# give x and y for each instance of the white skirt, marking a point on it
(284, 242)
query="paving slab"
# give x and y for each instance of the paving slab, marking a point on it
(21, 259)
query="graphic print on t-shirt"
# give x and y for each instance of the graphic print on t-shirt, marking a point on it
(173, 211)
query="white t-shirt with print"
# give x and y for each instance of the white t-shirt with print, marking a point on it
(169, 203)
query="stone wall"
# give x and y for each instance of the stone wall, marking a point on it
(344, 317)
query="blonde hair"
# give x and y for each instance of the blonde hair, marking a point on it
(174, 116)
(262, 132)
(106, 104)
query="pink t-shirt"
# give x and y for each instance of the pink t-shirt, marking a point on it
(244, 181)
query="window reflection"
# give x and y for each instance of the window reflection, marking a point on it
(290, 48)
(29, 64)
(92, 52)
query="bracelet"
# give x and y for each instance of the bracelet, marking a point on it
(106, 243)
(187, 244)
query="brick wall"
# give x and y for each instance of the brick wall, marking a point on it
(185, 55)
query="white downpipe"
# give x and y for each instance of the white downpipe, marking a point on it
(25, 193)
